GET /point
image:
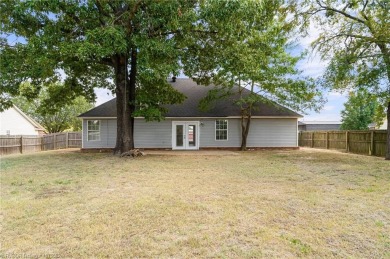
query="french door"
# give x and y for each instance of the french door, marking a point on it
(185, 135)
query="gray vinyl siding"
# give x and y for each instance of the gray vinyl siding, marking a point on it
(107, 135)
(159, 134)
(207, 134)
(273, 133)
(152, 134)
(263, 133)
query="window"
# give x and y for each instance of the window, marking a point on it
(221, 130)
(93, 130)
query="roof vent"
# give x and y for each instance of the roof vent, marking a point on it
(174, 79)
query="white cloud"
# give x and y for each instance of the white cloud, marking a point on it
(328, 108)
(323, 117)
(312, 65)
(335, 93)
(312, 68)
(338, 95)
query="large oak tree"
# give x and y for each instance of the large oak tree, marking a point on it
(134, 43)
(131, 47)
(355, 39)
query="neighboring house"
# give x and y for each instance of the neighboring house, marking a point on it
(374, 126)
(318, 125)
(15, 122)
(186, 127)
(301, 126)
(384, 125)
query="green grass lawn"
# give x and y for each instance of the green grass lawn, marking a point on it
(253, 204)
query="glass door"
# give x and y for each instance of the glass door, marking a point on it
(185, 135)
(179, 136)
(191, 136)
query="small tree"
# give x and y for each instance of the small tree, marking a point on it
(360, 111)
(254, 63)
(52, 113)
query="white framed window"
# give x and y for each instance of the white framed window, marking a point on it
(221, 129)
(93, 130)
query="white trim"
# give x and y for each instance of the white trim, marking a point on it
(185, 129)
(82, 133)
(227, 130)
(100, 124)
(297, 134)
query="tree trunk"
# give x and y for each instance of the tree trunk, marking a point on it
(386, 58)
(387, 157)
(246, 116)
(132, 83)
(245, 125)
(125, 97)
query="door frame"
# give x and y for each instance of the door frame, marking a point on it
(185, 146)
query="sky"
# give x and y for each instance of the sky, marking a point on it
(311, 66)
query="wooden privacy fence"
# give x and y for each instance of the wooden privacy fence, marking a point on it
(370, 142)
(27, 144)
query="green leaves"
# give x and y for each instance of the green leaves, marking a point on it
(81, 43)
(356, 116)
(51, 107)
(355, 38)
(250, 46)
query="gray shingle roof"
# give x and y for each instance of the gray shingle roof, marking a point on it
(189, 108)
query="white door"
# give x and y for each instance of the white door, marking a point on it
(185, 135)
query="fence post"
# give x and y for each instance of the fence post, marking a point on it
(54, 142)
(347, 141)
(372, 146)
(67, 140)
(21, 144)
(327, 140)
(299, 139)
(312, 140)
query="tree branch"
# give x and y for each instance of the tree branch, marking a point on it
(370, 39)
(329, 8)
(102, 12)
(180, 31)
(65, 10)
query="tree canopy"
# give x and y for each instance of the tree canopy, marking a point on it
(256, 57)
(360, 111)
(131, 47)
(54, 116)
(127, 46)
(355, 39)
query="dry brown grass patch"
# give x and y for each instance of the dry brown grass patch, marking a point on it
(252, 204)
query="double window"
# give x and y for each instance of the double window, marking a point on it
(93, 130)
(221, 130)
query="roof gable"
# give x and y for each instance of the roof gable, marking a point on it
(189, 108)
(35, 124)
